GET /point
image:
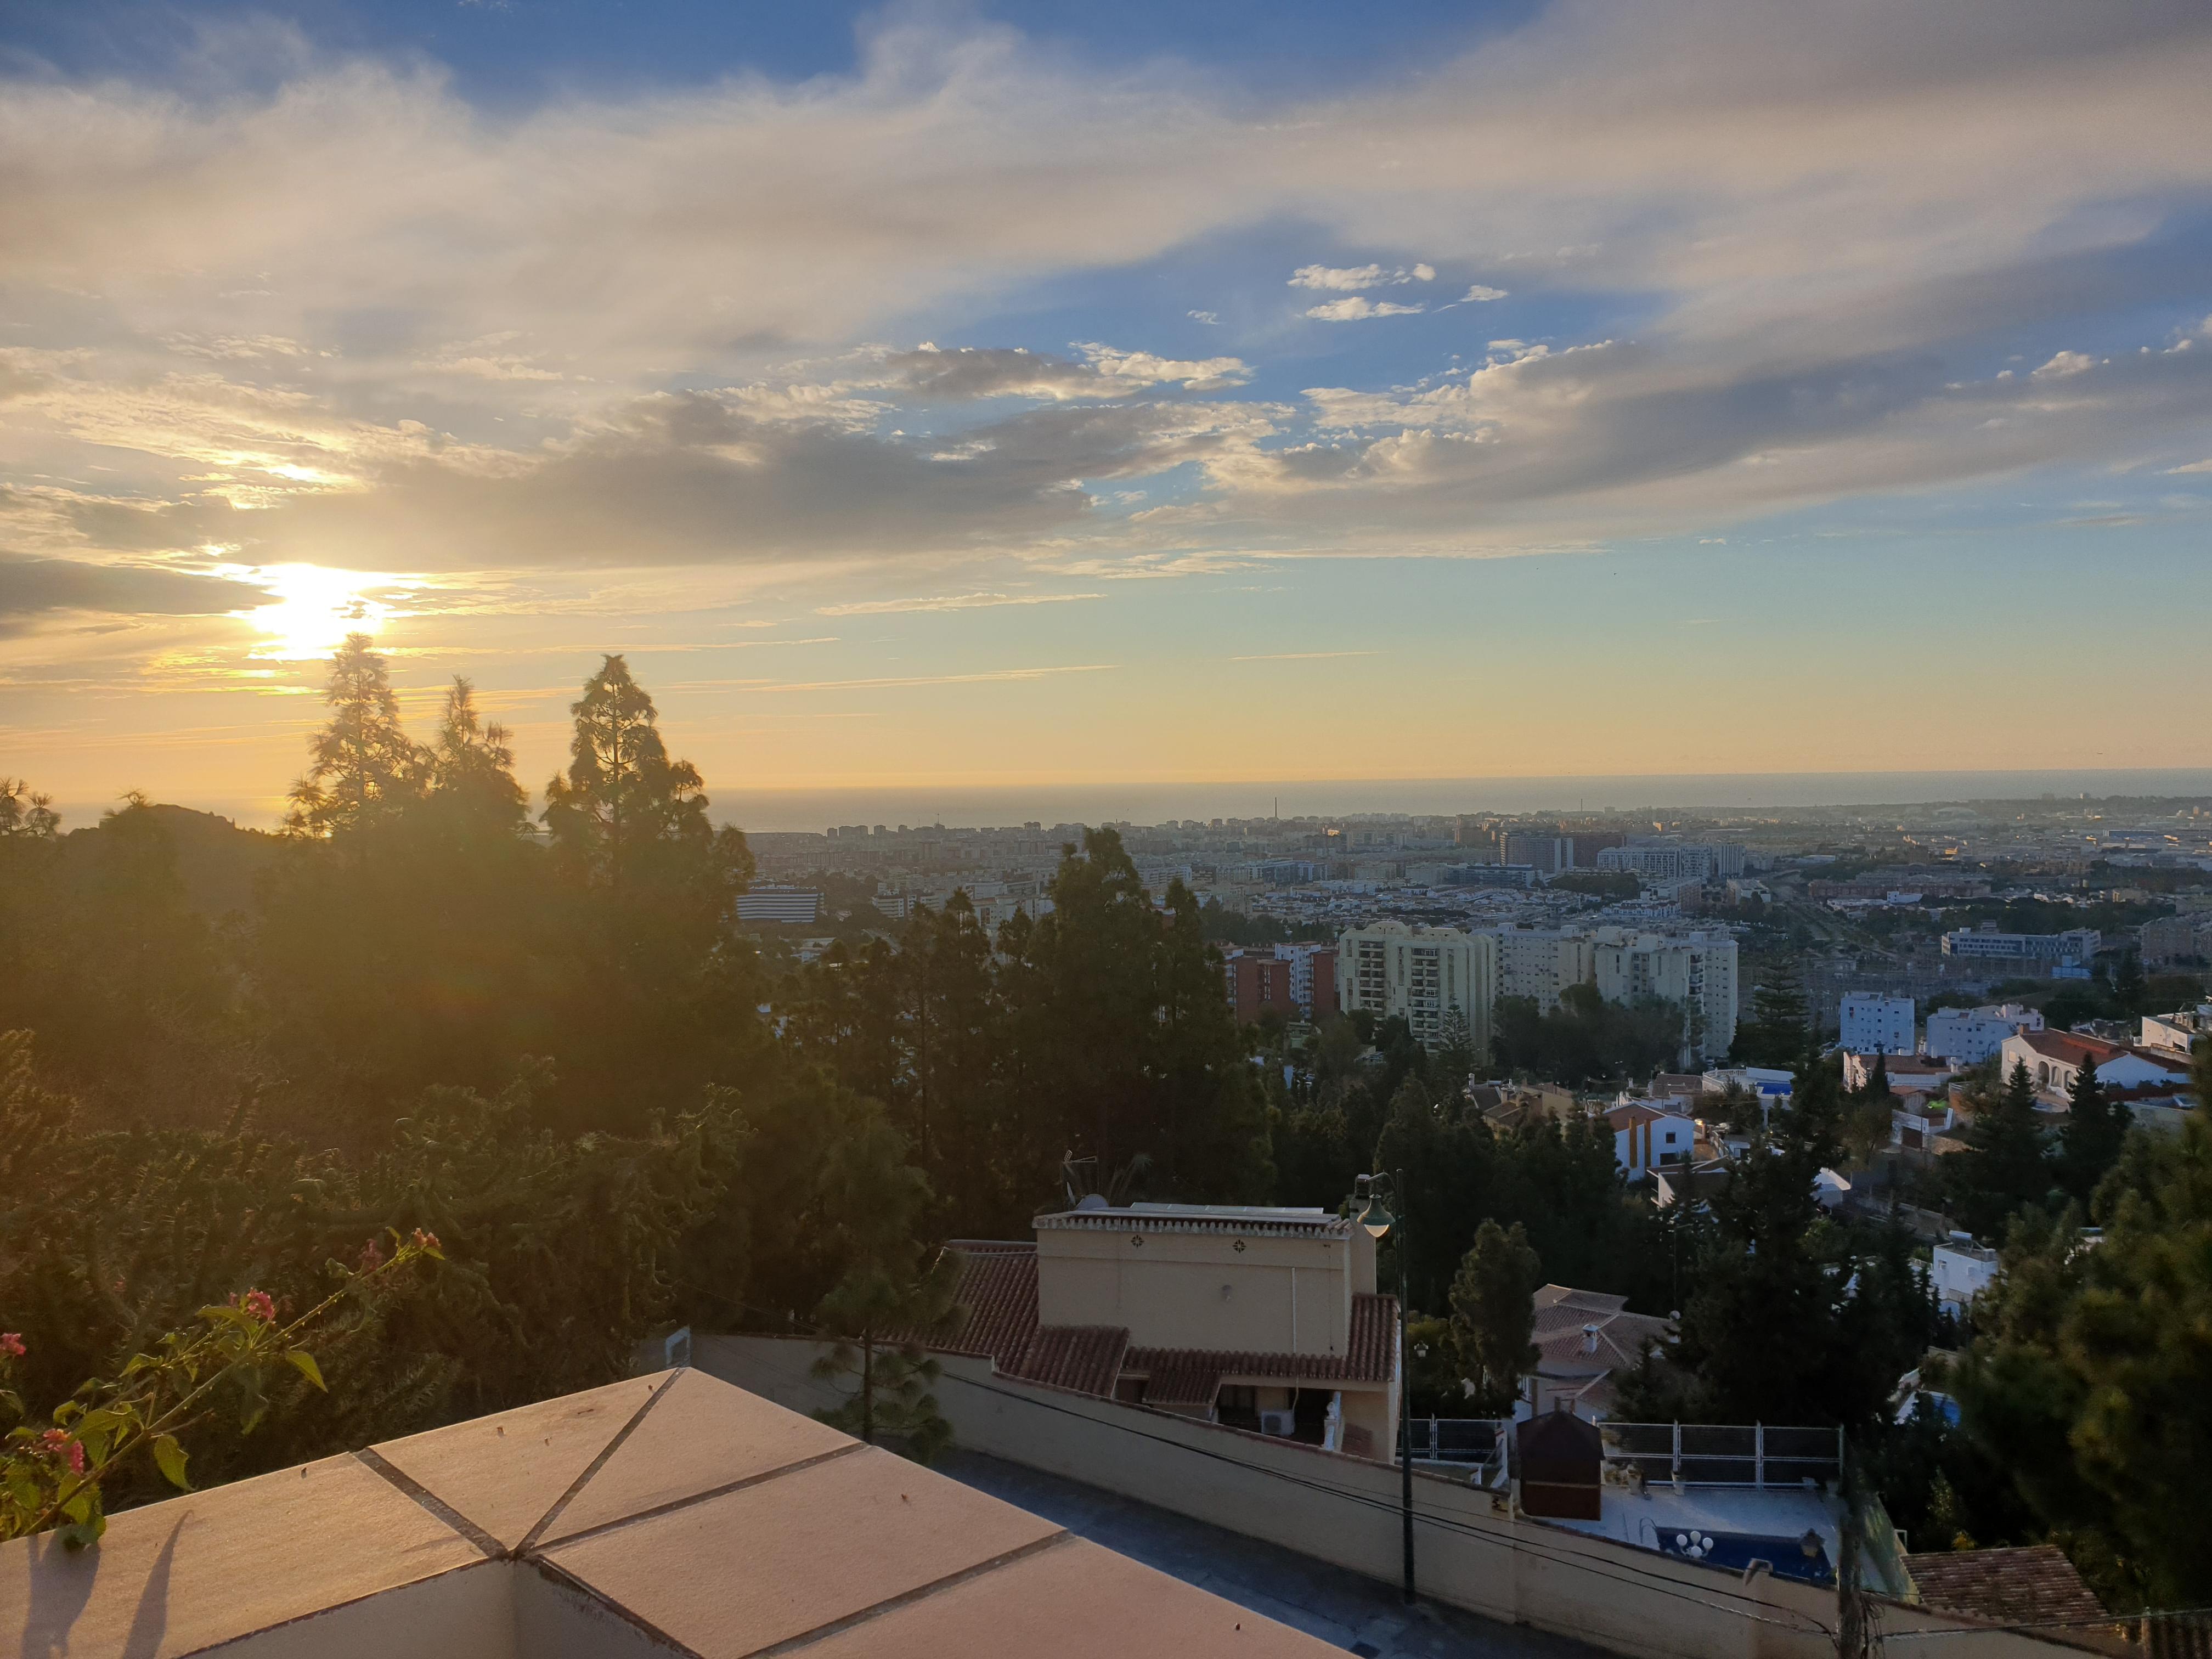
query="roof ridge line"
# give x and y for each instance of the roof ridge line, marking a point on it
(375, 1462)
(621, 1610)
(614, 1444)
(908, 1598)
(674, 1504)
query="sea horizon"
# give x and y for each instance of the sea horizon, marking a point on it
(800, 809)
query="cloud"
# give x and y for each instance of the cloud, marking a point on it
(949, 602)
(31, 588)
(2065, 366)
(324, 308)
(1479, 294)
(1301, 656)
(1358, 276)
(969, 373)
(1356, 307)
(1207, 316)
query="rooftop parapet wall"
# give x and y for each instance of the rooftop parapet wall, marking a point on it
(1344, 1511)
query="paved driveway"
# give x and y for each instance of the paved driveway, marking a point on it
(1341, 1607)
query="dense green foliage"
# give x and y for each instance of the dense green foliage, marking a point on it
(2087, 1380)
(1585, 1040)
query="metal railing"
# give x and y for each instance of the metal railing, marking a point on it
(1454, 1439)
(1755, 1454)
(1760, 1456)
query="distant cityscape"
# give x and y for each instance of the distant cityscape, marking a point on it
(1941, 901)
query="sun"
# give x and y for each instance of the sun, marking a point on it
(313, 609)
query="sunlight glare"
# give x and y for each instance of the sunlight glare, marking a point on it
(314, 609)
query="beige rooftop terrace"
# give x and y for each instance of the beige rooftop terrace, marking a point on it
(665, 1516)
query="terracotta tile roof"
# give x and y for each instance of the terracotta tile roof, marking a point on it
(2070, 1049)
(2008, 1586)
(1085, 1358)
(999, 1288)
(1190, 1376)
(1641, 1111)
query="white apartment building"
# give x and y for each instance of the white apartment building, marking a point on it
(1966, 1036)
(1666, 861)
(1420, 973)
(1873, 1024)
(1310, 962)
(1540, 963)
(2077, 945)
(1698, 970)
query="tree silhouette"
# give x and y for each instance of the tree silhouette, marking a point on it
(363, 763)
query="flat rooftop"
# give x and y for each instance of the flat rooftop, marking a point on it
(1348, 1611)
(667, 1515)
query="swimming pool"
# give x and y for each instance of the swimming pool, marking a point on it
(1734, 1550)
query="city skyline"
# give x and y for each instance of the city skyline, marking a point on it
(1012, 401)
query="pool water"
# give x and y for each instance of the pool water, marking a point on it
(1734, 1550)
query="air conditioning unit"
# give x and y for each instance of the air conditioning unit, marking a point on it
(1282, 1423)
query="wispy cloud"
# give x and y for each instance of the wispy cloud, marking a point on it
(1352, 278)
(990, 678)
(1357, 307)
(947, 602)
(1301, 656)
(1481, 294)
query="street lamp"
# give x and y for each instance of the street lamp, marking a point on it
(1378, 1221)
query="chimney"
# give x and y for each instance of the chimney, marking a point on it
(1589, 1339)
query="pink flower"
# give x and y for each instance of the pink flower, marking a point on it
(58, 1444)
(11, 1345)
(372, 1258)
(259, 1304)
(425, 1241)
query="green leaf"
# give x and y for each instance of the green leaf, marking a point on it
(83, 1533)
(304, 1362)
(170, 1458)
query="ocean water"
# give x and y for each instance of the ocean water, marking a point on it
(1154, 803)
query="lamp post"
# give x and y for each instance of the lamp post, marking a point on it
(1378, 1221)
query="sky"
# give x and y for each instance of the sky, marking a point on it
(1049, 400)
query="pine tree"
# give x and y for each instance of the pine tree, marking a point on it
(1494, 1312)
(1878, 1087)
(2005, 1167)
(889, 1305)
(621, 795)
(1780, 1022)
(2127, 985)
(25, 813)
(364, 764)
(2095, 1127)
(472, 765)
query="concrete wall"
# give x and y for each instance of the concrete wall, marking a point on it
(1345, 1510)
(1191, 1289)
(466, 1614)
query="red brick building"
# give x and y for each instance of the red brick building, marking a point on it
(1257, 984)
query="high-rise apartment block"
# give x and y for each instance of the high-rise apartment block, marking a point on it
(1421, 973)
(1698, 970)
(1549, 855)
(1874, 1024)
(1538, 964)
(1257, 984)
(1313, 978)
